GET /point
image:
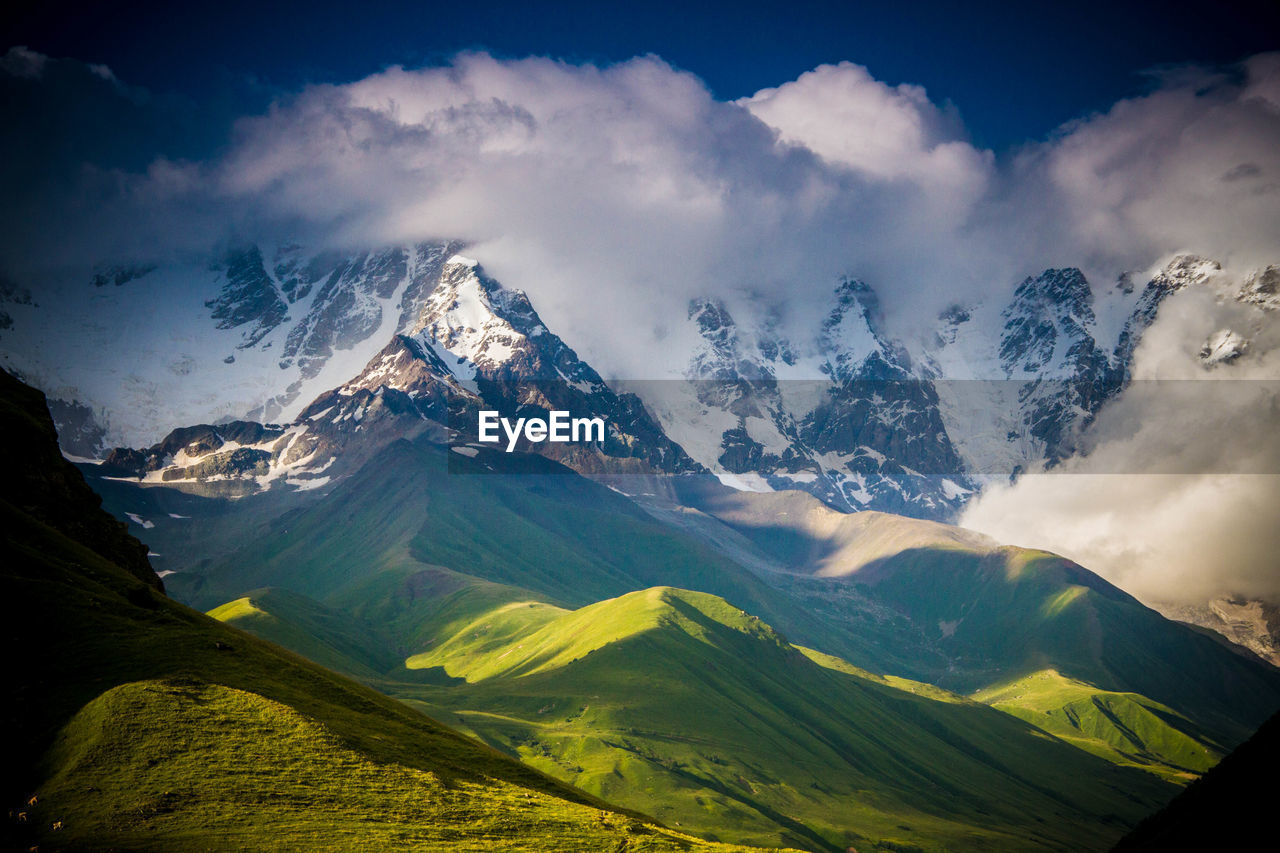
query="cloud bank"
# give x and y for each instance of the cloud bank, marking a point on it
(1200, 519)
(615, 194)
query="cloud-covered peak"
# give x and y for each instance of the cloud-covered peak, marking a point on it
(613, 193)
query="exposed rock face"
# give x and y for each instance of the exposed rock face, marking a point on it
(49, 489)
(846, 416)
(349, 294)
(1181, 272)
(1253, 624)
(1262, 289)
(120, 274)
(79, 432)
(248, 298)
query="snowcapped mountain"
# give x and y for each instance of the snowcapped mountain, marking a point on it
(866, 421)
(1021, 383)
(377, 342)
(351, 351)
(471, 345)
(253, 332)
(843, 416)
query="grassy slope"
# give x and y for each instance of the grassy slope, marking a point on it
(551, 532)
(681, 703)
(142, 724)
(966, 614)
(151, 759)
(315, 632)
(1122, 727)
(1011, 612)
(912, 598)
(170, 765)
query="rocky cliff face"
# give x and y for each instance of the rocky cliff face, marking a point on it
(39, 483)
(1251, 624)
(843, 416)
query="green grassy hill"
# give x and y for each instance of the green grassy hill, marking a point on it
(683, 705)
(546, 530)
(133, 722)
(1122, 727)
(1010, 612)
(318, 633)
(498, 572)
(919, 600)
(979, 615)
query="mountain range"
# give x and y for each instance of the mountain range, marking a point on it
(741, 613)
(674, 652)
(851, 414)
(399, 340)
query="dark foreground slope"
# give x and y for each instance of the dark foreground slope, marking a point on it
(133, 722)
(1231, 805)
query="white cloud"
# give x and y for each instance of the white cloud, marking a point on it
(614, 194)
(1193, 166)
(1177, 499)
(849, 118)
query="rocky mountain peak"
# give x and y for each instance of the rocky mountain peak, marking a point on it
(248, 297)
(1048, 325)
(1186, 270)
(472, 321)
(1262, 289)
(1181, 272)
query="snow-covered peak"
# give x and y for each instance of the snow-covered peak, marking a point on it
(1186, 270)
(1048, 326)
(719, 354)
(1222, 347)
(847, 344)
(852, 341)
(465, 319)
(1262, 288)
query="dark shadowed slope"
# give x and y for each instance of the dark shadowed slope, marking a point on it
(1231, 806)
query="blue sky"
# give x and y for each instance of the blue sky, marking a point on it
(1015, 71)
